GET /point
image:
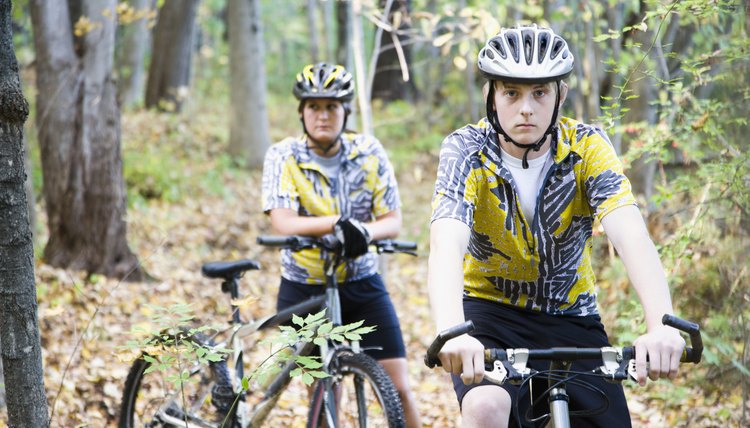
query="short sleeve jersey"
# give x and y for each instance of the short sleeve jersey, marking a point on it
(541, 263)
(364, 189)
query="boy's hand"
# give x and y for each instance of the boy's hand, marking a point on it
(463, 356)
(664, 347)
(353, 235)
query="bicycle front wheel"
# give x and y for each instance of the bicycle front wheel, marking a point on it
(175, 394)
(358, 393)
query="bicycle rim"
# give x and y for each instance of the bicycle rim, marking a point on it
(363, 394)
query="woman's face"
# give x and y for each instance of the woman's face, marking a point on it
(525, 110)
(324, 119)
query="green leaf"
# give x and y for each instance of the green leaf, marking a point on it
(149, 359)
(307, 379)
(325, 328)
(215, 357)
(318, 374)
(245, 383)
(296, 319)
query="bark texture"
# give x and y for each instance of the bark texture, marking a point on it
(19, 324)
(78, 121)
(171, 55)
(388, 83)
(249, 129)
(136, 37)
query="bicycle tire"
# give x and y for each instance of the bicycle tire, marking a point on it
(151, 400)
(383, 405)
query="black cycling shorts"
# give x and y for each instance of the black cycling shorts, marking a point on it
(365, 299)
(503, 326)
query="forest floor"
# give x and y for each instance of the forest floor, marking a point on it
(84, 321)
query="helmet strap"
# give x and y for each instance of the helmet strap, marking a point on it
(492, 118)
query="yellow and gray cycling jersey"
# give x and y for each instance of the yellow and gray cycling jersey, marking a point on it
(364, 189)
(544, 263)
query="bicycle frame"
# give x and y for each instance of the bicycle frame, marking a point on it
(241, 329)
(215, 393)
(333, 259)
(332, 304)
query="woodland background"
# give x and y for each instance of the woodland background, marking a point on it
(148, 121)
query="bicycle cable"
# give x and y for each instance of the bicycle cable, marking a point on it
(561, 377)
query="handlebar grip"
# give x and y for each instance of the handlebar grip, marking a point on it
(431, 359)
(404, 245)
(276, 241)
(693, 330)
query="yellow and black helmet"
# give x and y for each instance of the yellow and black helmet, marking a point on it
(324, 81)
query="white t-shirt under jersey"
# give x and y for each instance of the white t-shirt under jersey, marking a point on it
(528, 181)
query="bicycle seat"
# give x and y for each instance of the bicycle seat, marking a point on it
(228, 269)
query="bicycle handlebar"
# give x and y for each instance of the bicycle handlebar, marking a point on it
(330, 243)
(690, 354)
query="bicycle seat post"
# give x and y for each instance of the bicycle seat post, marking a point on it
(229, 286)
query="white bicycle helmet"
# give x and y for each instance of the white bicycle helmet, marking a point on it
(525, 54)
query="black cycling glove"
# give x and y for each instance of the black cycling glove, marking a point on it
(353, 235)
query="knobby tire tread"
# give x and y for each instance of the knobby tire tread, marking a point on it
(347, 363)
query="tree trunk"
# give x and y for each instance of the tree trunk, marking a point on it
(641, 109)
(249, 135)
(19, 324)
(344, 19)
(29, 187)
(79, 136)
(472, 106)
(329, 35)
(171, 56)
(357, 39)
(136, 37)
(312, 30)
(395, 54)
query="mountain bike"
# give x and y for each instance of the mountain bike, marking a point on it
(510, 365)
(356, 392)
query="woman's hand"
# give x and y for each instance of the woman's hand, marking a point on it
(353, 235)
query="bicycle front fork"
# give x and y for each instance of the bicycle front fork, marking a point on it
(558, 408)
(558, 398)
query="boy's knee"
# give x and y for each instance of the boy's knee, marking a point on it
(484, 401)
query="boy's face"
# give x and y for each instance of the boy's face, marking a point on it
(323, 118)
(524, 110)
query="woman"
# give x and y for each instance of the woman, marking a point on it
(331, 180)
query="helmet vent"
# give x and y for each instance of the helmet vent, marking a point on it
(528, 45)
(557, 45)
(543, 46)
(498, 47)
(512, 39)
